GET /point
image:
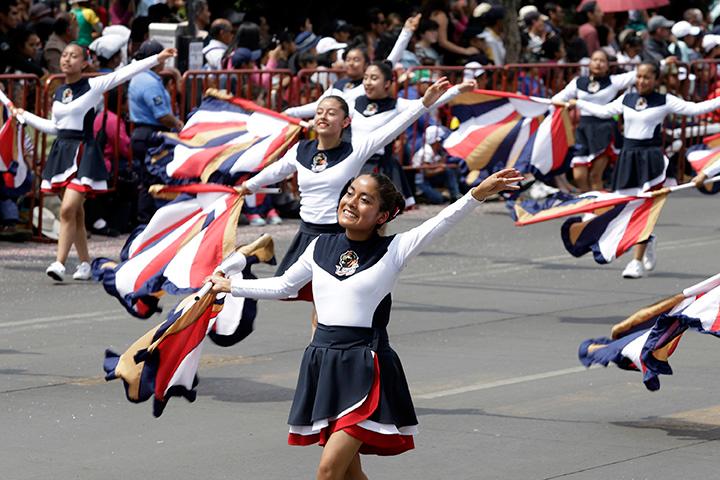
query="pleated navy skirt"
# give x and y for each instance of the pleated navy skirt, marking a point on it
(74, 162)
(593, 138)
(640, 166)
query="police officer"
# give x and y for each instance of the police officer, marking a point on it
(150, 112)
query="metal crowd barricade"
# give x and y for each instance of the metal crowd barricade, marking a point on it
(309, 84)
(268, 88)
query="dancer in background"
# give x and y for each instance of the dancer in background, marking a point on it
(75, 165)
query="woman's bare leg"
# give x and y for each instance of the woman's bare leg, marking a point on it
(640, 250)
(597, 169)
(313, 322)
(338, 455)
(580, 176)
(81, 245)
(354, 471)
(72, 201)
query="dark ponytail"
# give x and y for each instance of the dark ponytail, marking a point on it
(391, 200)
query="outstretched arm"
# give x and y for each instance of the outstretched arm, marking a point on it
(106, 82)
(38, 123)
(272, 173)
(568, 93)
(286, 286)
(403, 39)
(412, 242)
(601, 111)
(678, 105)
(624, 81)
(308, 110)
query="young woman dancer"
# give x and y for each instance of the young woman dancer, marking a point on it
(356, 60)
(352, 396)
(75, 165)
(594, 136)
(642, 163)
(326, 164)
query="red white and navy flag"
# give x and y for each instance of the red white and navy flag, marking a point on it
(609, 232)
(182, 244)
(224, 139)
(645, 340)
(164, 362)
(14, 172)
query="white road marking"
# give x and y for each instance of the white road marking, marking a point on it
(90, 316)
(501, 383)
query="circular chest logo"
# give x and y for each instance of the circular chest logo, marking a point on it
(641, 104)
(371, 109)
(319, 162)
(593, 87)
(348, 264)
(67, 95)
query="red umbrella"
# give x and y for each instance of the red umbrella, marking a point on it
(609, 6)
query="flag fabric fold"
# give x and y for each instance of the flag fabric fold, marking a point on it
(562, 204)
(164, 362)
(645, 340)
(224, 139)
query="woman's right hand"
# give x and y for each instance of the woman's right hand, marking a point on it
(16, 111)
(166, 54)
(435, 91)
(220, 284)
(412, 22)
(570, 105)
(699, 179)
(243, 190)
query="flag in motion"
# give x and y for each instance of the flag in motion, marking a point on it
(645, 340)
(184, 241)
(225, 138)
(502, 129)
(706, 160)
(164, 362)
(13, 169)
(561, 204)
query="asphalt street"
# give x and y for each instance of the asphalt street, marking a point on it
(487, 323)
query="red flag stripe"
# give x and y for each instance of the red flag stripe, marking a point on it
(203, 127)
(163, 232)
(635, 226)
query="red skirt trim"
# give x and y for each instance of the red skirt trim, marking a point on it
(373, 443)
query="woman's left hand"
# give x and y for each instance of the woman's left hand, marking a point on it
(220, 283)
(166, 54)
(412, 22)
(467, 86)
(699, 179)
(505, 179)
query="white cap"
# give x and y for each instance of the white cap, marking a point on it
(120, 30)
(107, 45)
(435, 133)
(472, 71)
(524, 11)
(683, 29)
(328, 44)
(710, 41)
(481, 9)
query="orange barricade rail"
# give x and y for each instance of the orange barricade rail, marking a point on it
(269, 88)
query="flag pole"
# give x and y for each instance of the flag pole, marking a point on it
(676, 188)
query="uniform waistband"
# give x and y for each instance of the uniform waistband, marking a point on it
(320, 228)
(343, 338)
(641, 143)
(71, 135)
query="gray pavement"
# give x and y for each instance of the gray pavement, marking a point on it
(487, 323)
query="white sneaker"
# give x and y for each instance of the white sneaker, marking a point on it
(83, 272)
(649, 259)
(56, 271)
(634, 269)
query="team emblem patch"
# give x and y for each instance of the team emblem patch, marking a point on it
(67, 95)
(319, 162)
(641, 104)
(348, 86)
(593, 87)
(348, 264)
(371, 109)
(158, 100)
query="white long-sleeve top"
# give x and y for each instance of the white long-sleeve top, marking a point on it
(352, 281)
(74, 104)
(599, 90)
(643, 115)
(322, 174)
(308, 110)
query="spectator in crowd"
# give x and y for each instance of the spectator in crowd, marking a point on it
(694, 17)
(656, 45)
(246, 36)
(327, 57)
(588, 30)
(556, 17)
(304, 42)
(341, 31)
(245, 59)
(575, 47)
(606, 37)
(536, 33)
(375, 26)
(108, 51)
(553, 50)
(25, 48)
(686, 37)
(427, 33)
(201, 14)
(631, 46)
(150, 112)
(492, 16)
(459, 19)
(139, 31)
(65, 31)
(284, 49)
(221, 35)
(41, 17)
(9, 20)
(89, 25)
(143, 6)
(122, 12)
(161, 13)
(439, 12)
(711, 46)
(433, 171)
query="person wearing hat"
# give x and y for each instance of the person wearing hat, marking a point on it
(686, 37)
(150, 112)
(711, 46)
(656, 45)
(89, 25)
(108, 50)
(75, 165)
(430, 160)
(588, 30)
(492, 16)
